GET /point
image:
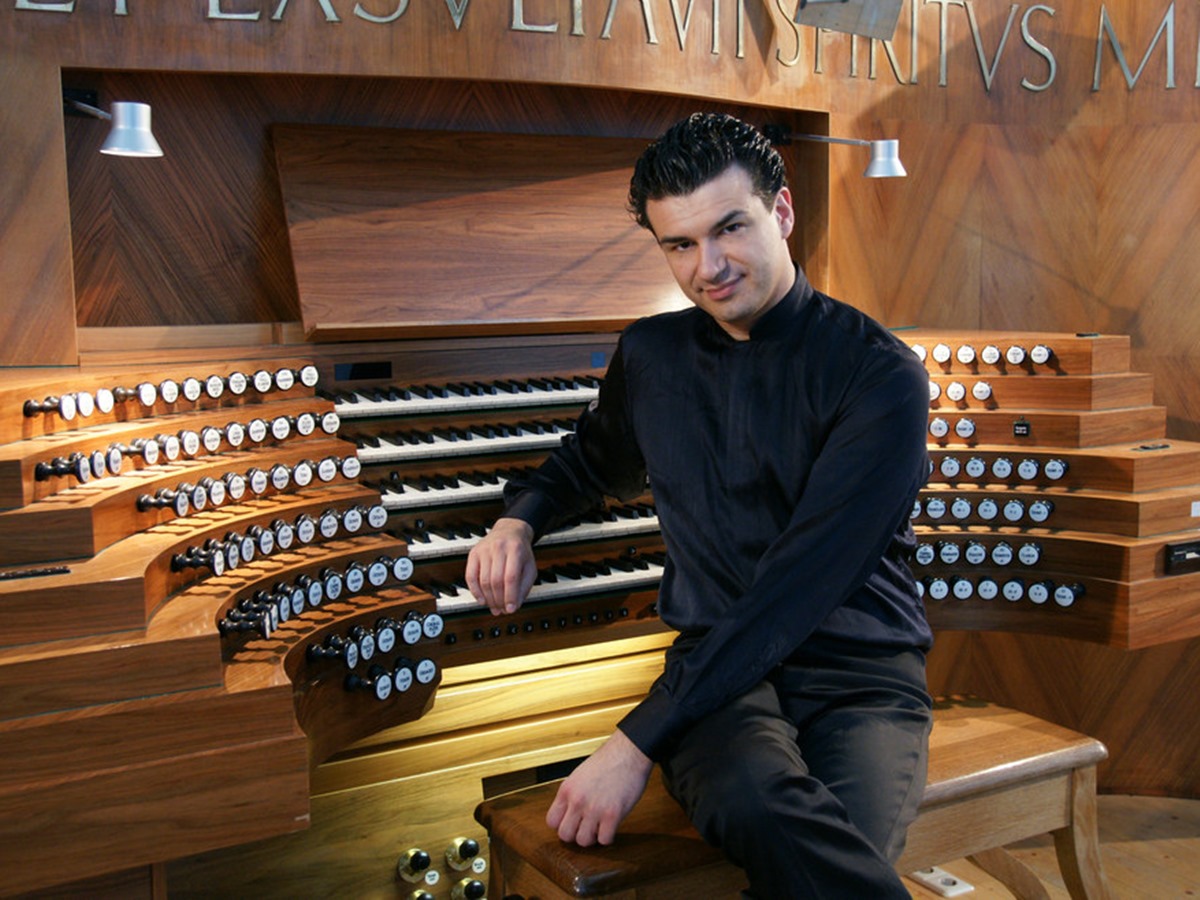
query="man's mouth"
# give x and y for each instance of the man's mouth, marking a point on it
(721, 291)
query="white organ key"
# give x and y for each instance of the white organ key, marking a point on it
(589, 531)
(460, 599)
(620, 523)
(469, 443)
(409, 496)
(435, 546)
(452, 398)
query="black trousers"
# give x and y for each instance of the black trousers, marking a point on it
(810, 781)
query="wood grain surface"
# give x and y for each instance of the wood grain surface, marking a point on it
(410, 233)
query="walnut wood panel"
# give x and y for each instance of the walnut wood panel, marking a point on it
(1159, 612)
(464, 232)
(1107, 556)
(1159, 512)
(202, 795)
(1054, 429)
(1071, 232)
(1066, 392)
(644, 47)
(228, 259)
(88, 672)
(1070, 354)
(37, 315)
(119, 588)
(65, 745)
(1146, 466)
(145, 882)
(1128, 615)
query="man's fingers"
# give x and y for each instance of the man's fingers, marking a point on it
(578, 821)
(606, 833)
(566, 821)
(472, 577)
(518, 579)
(558, 809)
(500, 568)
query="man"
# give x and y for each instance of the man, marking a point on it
(783, 434)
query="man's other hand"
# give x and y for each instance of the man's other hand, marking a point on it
(501, 567)
(598, 795)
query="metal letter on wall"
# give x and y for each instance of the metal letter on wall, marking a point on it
(1131, 78)
(401, 9)
(1039, 48)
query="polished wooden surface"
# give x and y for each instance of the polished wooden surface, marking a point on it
(378, 221)
(227, 259)
(37, 315)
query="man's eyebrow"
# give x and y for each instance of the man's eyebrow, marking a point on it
(720, 225)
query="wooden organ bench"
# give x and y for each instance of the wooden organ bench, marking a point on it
(995, 776)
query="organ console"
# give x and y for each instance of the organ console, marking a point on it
(239, 547)
(212, 622)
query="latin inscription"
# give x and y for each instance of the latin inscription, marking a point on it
(1022, 49)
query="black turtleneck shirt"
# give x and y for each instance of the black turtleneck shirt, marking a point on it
(783, 468)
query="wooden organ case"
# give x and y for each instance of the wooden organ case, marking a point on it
(233, 634)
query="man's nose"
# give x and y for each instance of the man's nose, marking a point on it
(712, 260)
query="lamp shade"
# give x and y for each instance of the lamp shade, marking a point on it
(885, 160)
(130, 134)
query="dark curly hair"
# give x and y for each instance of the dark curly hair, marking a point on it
(697, 149)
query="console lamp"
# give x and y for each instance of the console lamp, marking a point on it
(130, 134)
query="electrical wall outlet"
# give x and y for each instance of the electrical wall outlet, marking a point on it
(942, 882)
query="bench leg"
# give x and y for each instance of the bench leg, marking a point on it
(1078, 844)
(1011, 872)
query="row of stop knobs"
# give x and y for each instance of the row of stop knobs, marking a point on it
(236, 548)
(360, 643)
(104, 400)
(186, 497)
(463, 855)
(263, 611)
(989, 354)
(186, 443)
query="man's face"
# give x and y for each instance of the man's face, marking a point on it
(727, 249)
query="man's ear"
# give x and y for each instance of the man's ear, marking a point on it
(785, 214)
